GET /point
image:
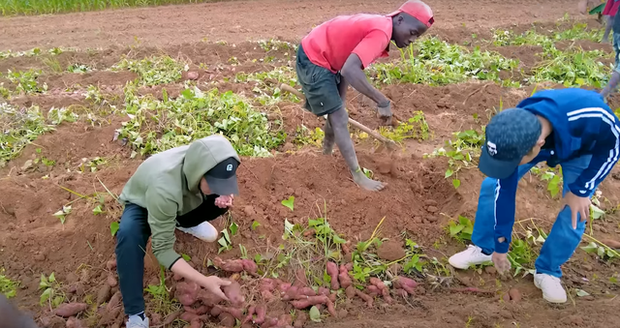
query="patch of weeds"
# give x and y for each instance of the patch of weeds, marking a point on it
(91, 165)
(521, 256)
(572, 68)
(154, 70)
(462, 152)
(26, 82)
(79, 68)
(161, 302)
(8, 287)
(267, 85)
(414, 128)
(31, 53)
(59, 115)
(53, 64)
(158, 125)
(272, 44)
(52, 291)
(19, 127)
(532, 37)
(436, 62)
(305, 136)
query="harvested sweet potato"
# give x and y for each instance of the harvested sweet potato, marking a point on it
(350, 291)
(195, 324)
(229, 265)
(73, 322)
(208, 298)
(310, 301)
(237, 313)
(155, 319)
(405, 283)
(226, 319)
(349, 266)
(233, 292)
(187, 292)
(332, 297)
(369, 300)
(215, 311)
(307, 291)
(301, 319)
(515, 294)
(343, 277)
(250, 315)
(401, 292)
(115, 301)
(332, 271)
(285, 320)
(372, 291)
(189, 316)
(323, 291)
(112, 281)
(111, 265)
(270, 323)
(70, 309)
(283, 286)
(104, 294)
(385, 292)
(261, 314)
(171, 317)
(76, 288)
(291, 293)
(611, 243)
(249, 266)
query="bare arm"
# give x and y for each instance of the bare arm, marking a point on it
(354, 75)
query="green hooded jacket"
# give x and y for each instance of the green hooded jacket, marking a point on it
(167, 185)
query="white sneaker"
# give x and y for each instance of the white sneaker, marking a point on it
(551, 287)
(137, 322)
(471, 256)
(204, 231)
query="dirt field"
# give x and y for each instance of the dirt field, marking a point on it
(417, 205)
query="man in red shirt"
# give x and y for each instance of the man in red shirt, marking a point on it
(334, 55)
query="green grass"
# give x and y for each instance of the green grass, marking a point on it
(36, 7)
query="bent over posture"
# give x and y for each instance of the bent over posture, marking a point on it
(334, 55)
(570, 127)
(181, 188)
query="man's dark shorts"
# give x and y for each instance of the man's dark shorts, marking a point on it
(319, 85)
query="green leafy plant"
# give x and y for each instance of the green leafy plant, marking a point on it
(161, 302)
(158, 125)
(154, 70)
(289, 203)
(8, 287)
(78, 68)
(267, 90)
(462, 152)
(63, 213)
(461, 229)
(52, 291)
(605, 253)
(26, 82)
(415, 128)
(114, 226)
(433, 61)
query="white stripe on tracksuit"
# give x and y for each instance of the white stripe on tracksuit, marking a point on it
(597, 112)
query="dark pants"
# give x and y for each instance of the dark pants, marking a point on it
(319, 85)
(131, 239)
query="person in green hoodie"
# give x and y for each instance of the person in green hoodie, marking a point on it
(181, 188)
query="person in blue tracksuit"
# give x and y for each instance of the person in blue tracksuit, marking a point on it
(570, 127)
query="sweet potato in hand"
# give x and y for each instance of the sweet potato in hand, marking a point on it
(187, 292)
(332, 271)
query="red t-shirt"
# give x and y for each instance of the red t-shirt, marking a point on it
(611, 8)
(331, 43)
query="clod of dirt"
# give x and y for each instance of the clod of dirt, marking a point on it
(391, 251)
(575, 320)
(111, 265)
(490, 270)
(301, 319)
(39, 257)
(193, 75)
(52, 322)
(77, 289)
(226, 319)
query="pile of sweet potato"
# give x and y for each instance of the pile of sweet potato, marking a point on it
(200, 306)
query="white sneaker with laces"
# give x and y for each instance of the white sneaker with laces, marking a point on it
(551, 287)
(204, 231)
(137, 322)
(471, 256)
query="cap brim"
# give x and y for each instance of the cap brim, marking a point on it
(394, 13)
(223, 186)
(494, 168)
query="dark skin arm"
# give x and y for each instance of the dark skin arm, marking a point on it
(354, 75)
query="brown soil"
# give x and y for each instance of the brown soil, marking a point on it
(417, 203)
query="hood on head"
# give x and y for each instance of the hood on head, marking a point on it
(203, 155)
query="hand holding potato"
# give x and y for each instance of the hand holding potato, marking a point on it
(214, 285)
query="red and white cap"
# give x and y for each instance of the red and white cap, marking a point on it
(418, 10)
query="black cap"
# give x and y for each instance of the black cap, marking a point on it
(222, 178)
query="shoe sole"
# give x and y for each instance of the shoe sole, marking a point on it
(460, 267)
